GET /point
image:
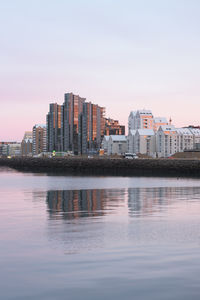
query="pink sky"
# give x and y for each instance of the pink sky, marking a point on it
(123, 57)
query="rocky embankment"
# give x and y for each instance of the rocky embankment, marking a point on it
(106, 166)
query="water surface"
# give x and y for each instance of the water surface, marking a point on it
(116, 238)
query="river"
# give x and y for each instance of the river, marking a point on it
(68, 237)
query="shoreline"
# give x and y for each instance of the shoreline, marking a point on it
(106, 166)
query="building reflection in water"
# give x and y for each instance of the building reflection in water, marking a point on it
(76, 203)
(150, 201)
(135, 202)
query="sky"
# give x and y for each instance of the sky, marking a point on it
(124, 55)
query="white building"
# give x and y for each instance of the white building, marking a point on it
(196, 137)
(166, 141)
(159, 121)
(145, 142)
(14, 149)
(131, 120)
(131, 141)
(117, 144)
(104, 144)
(140, 119)
(185, 140)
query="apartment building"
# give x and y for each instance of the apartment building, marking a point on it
(39, 139)
(117, 144)
(26, 144)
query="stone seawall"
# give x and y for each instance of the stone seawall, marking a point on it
(106, 166)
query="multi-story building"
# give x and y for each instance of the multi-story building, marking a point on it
(131, 141)
(54, 128)
(141, 119)
(14, 149)
(196, 136)
(104, 144)
(112, 127)
(4, 147)
(142, 141)
(145, 142)
(166, 141)
(26, 144)
(39, 139)
(159, 121)
(72, 122)
(117, 144)
(185, 139)
(75, 126)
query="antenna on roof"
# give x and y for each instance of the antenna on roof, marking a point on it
(170, 121)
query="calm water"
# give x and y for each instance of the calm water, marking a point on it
(99, 238)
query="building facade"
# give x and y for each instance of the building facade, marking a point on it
(26, 144)
(117, 145)
(76, 126)
(112, 127)
(145, 142)
(54, 128)
(39, 139)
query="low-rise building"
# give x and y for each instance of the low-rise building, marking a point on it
(145, 142)
(104, 144)
(166, 141)
(117, 144)
(14, 149)
(131, 141)
(185, 139)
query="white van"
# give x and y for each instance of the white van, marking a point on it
(130, 156)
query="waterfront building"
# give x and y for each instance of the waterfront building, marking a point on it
(112, 127)
(159, 121)
(26, 144)
(72, 122)
(195, 131)
(145, 142)
(141, 119)
(117, 144)
(14, 149)
(166, 141)
(104, 144)
(185, 139)
(4, 147)
(76, 126)
(39, 139)
(54, 128)
(131, 121)
(131, 141)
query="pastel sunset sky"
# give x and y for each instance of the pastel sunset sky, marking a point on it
(124, 55)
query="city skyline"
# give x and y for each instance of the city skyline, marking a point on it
(122, 55)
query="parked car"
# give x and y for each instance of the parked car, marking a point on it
(130, 156)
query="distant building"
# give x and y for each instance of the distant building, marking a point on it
(4, 147)
(117, 144)
(131, 141)
(54, 128)
(142, 141)
(14, 149)
(26, 144)
(185, 139)
(141, 119)
(39, 139)
(145, 142)
(167, 142)
(104, 144)
(112, 127)
(195, 131)
(75, 126)
(159, 121)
